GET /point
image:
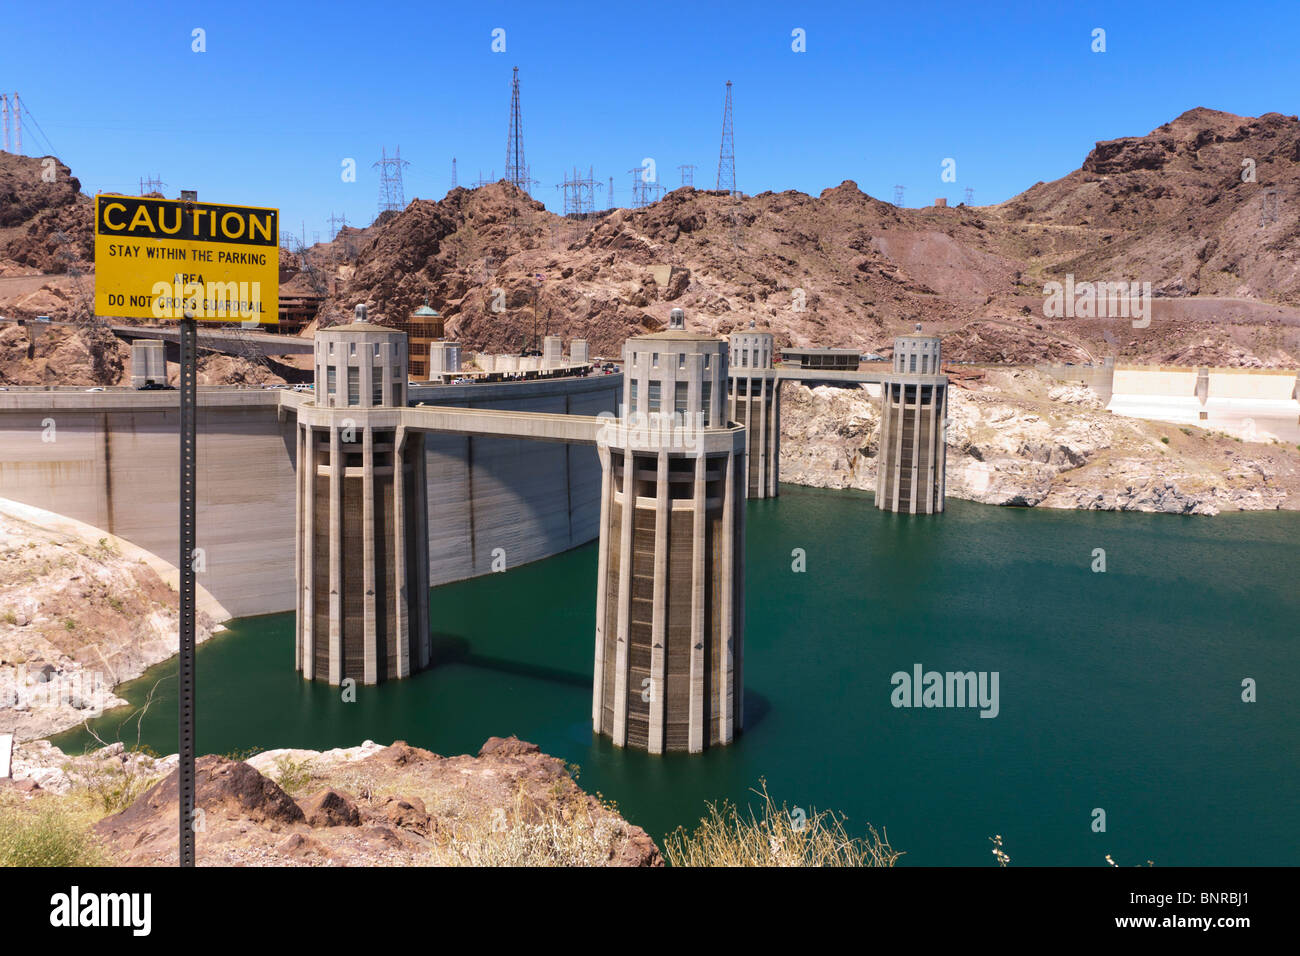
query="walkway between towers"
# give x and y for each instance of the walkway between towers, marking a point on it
(476, 422)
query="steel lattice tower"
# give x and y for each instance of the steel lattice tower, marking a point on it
(638, 188)
(727, 155)
(688, 174)
(391, 194)
(453, 172)
(579, 193)
(898, 195)
(516, 169)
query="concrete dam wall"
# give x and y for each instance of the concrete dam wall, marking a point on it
(109, 459)
(1256, 404)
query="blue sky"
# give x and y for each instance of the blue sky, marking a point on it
(884, 93)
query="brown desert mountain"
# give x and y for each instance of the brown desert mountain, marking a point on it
(1203, 208)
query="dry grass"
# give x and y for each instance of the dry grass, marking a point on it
(47, 831)
(775, 837)
(531, 836)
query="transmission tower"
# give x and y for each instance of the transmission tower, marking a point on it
(335, 223)
(516, 169)
(453, 172)
(611, 192)
(898, 195)
(74, 267)
(970, 194)
(485, 182)
(391, 194)
(151, 186)
(579, 193)
(12, 107)
(638, 187)
(688, 174)
(727, 154)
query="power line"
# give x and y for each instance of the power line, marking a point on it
(13, 109)
(46, 139)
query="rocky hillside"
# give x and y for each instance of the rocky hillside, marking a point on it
(841, 268)
(1019, 438)
(1172, 207)
(78, 616)
(45, 221)
(511, 805)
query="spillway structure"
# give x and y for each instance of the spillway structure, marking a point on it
(362, 555)
(669, 649)
(755, 402)
(912, 457)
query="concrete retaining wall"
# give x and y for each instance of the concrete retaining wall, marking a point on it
(1254, 404)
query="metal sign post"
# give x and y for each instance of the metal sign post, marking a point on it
(185, 669)
(187, 261)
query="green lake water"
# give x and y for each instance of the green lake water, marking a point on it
(1119, 690)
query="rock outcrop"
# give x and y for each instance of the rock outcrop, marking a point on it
(364, 806)
(77, 618)
(1017, 437)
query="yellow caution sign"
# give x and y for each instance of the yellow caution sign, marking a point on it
(156, 258)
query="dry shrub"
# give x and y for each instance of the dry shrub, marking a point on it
(45, 831)
(556, 834)
(775, 837)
